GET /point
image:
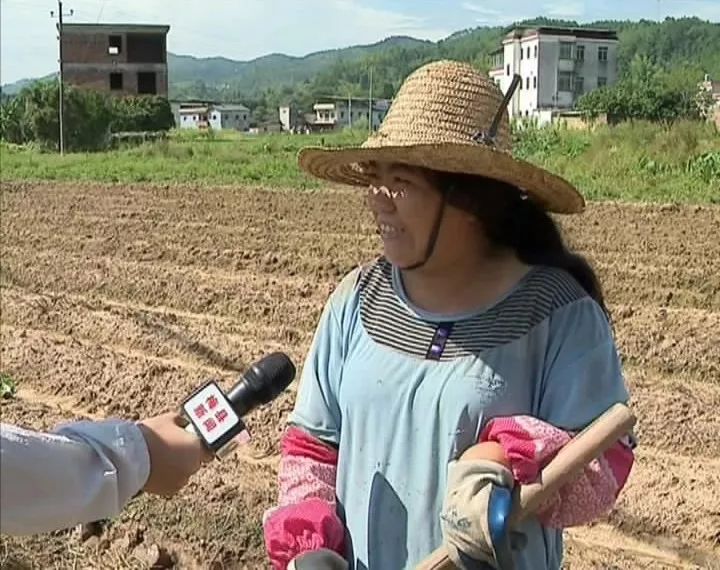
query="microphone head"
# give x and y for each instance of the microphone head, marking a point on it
(262, 382)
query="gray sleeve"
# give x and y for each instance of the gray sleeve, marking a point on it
(81, 472)
(583, 375)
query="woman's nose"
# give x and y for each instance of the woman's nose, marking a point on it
(379, 200)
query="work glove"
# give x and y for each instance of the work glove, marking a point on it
(474, 535)
(322, 559)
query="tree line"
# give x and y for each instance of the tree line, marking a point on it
(90, 117)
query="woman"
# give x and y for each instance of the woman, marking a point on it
(476, 325)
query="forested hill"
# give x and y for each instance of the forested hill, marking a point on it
(267, 82)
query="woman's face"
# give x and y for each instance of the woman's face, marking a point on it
(405, 205)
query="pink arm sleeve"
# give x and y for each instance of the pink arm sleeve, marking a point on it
(530, 444)
(305, 518)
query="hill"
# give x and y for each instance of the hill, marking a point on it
(226, 78)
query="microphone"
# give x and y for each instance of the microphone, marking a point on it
(217, 418)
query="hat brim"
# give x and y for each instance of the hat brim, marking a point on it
(339, 165)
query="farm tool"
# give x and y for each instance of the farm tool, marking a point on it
(506, 510)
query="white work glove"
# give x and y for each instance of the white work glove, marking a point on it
(464, 514)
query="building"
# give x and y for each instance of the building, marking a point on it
(219, 116)
(116, 58)
(556, 66)
(337, 112)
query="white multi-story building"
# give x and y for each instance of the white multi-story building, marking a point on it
(557, 66)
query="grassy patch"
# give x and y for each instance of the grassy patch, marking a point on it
(8, 387)
(190, 157)
(633, 161)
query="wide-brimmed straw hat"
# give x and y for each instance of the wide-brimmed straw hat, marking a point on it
(446, 116)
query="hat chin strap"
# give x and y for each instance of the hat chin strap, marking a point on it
(433, 238)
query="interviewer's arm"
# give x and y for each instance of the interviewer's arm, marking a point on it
(86, 471)
(81, 472)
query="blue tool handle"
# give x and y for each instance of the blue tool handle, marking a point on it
(499, 510)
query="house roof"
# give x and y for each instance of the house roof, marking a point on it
(89, 28)
(586, 33)
(231, 107)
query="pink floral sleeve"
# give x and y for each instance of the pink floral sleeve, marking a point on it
(530, 444)
(305, 518)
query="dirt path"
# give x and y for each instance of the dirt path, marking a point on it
(120, 300)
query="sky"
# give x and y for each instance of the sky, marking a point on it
(245, 29)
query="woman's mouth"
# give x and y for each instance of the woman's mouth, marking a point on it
(388, 231)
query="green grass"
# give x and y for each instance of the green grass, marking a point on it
(637, 162)
(226, 158)
(8, 387)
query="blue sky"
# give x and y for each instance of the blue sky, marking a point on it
(244, 29)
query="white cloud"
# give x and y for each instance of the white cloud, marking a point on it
(491, 16)
(482, 11)
(564, 9)
(703, 9)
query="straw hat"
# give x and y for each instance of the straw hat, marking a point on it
(442, 119)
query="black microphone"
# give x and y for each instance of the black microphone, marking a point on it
(217, 418)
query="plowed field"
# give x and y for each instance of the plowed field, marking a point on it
(120, 300)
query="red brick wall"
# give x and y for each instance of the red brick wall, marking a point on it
(91, 48)
(98, 78)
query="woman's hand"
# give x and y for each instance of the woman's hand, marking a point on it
(487, 450)
(464, 516)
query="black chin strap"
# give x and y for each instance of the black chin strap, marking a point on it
(433, 237)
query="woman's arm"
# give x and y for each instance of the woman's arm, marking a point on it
(305, 518)
(529, 444)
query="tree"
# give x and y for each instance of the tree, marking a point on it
(649, 92)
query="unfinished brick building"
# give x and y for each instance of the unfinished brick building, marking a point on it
(123, 59)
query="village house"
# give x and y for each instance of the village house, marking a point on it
(218, 116)
(556, 65)
(122, 59)
(330, 113)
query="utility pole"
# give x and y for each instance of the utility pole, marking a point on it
(370, 105)
(61, 102)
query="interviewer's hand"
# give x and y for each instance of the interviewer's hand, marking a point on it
(175, 455)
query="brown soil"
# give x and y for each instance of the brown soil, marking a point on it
(119, 300)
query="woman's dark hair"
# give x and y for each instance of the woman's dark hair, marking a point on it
(513, 220)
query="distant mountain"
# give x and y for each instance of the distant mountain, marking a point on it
(192, 77)
(15, 88)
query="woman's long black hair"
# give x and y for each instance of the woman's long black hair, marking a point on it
(512, 220)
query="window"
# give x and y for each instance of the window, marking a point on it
(602, 81)
(565, 81)
(602, 53)
(147, 83)
(579, 84)
(528, 52)
(527, 83)
(566, 50)
(114, 45)
(508, 69)
(522, 51)
(116, 81)
(580, 53)
(536, 48)
(535, 82)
